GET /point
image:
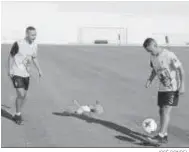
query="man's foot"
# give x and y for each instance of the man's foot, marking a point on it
(161, 140)
(18, 119)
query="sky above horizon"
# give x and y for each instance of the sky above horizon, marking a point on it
(135, 8)
(59, 21)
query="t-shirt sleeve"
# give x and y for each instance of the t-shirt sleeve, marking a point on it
(174, 60)
(14, 49)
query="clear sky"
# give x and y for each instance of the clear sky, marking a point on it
(58, 22)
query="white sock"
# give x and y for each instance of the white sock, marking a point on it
(161, 135)
(18, 113)
(166, 134)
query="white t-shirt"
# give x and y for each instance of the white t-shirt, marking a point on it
(165, 65)
(22, 57)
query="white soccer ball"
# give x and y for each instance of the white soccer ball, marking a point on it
(149, 125)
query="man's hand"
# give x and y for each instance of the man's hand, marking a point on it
(148, 83)
(181, 75)
(9, 74)
(151, 78)
(35, 61)
(40, 74)
(181, 90)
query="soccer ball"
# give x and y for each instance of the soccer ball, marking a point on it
(149, 125)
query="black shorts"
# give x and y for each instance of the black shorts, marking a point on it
(21, 82)
(170, 98)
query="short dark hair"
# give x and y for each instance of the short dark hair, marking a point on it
(147, 42)
(30, 28)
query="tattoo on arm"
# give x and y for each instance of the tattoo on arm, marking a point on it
(14, 49)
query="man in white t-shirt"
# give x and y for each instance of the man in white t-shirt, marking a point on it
(22, 53)
(167, 67)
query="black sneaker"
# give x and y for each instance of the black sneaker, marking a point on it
(18, 119)
(160, 139)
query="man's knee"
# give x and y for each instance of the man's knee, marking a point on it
(25, 96)
(21, 94)
(167, 109)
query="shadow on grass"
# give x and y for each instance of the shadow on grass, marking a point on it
(130, 136)
(6, 114)
(5, 106)
(124, 138)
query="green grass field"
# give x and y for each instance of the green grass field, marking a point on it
(113, 75)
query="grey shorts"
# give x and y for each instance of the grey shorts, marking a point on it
(20, 82)
(170, 98)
